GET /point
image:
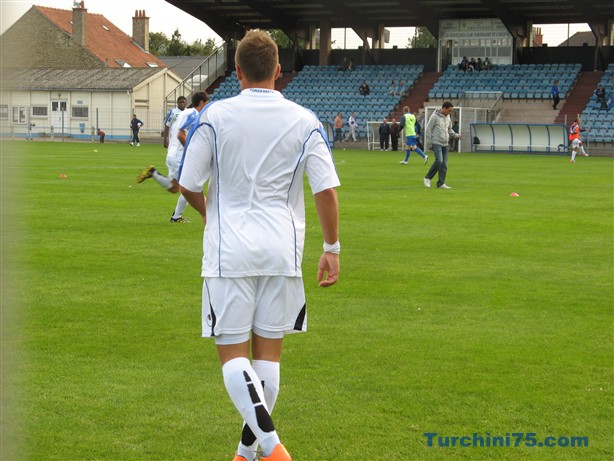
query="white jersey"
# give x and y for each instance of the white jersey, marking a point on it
(172, 116)
(175, 148)
(254, 150)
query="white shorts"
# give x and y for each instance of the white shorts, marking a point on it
(576, 143)
(269, 306)
(173, 163)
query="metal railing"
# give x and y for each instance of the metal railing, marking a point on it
(201, 78)
(492, 101)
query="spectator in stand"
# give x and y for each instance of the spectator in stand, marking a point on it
(606, 103)
(384, 135)
(395, 131)
(555, 94)
(463, 64)
(346, 64)
(600, 93)
(480, 64)
(393, 88)
(338, 127)
(400, 88)
(364, 89)
(473, 65)
(487, 64)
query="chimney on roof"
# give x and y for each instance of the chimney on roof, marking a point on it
(140, 29)
(79, 19)
(538, 39)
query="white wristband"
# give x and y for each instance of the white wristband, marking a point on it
(334, 248)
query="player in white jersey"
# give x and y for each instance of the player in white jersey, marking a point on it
(171, 117)
(254, 150)
(174, 126)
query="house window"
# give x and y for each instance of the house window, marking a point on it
(19, 114)
(4, 112)
(80, 111)
(39, 111)
(58, 106)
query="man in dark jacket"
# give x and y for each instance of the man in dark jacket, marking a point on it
(395, 131)
(384, 135)
(135, 125)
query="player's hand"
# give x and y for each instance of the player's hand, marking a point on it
(329, 267)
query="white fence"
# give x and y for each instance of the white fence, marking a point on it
(60, 124)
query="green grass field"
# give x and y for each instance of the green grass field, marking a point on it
(457, 312)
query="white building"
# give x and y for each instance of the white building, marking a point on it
(76, 102)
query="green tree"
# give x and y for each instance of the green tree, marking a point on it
(422, 39)
(177, 46)
(282, 40)
(161, 45)
(158, 43)
(198, 48)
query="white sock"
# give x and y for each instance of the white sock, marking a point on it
(245, 391)
(182, 203)
(162, 180)
(583, 151)
(573, 154)
(268, 372)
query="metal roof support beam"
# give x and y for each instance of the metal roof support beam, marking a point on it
(427, 17)
(325, 42)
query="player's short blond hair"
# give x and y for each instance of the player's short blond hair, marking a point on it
(257, 56)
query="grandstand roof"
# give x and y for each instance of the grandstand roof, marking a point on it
(234, 16)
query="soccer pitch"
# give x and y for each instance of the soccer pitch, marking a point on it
(465, 313)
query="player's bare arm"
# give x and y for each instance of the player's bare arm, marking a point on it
(328, 212)
(197, 201)
(166, 131)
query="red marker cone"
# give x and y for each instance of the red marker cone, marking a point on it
(514, 194)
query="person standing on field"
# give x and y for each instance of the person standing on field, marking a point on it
(395, 130)
(135, 125)
(338, 127)
(384, 135)
(575, 131)
(408, 123)
(352, 124)
(254, 217)
(438, 131)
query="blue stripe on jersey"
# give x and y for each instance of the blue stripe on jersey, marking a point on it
(190, 120)
(167, 116)
(193, 128)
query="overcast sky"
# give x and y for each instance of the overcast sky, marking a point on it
(166, 18)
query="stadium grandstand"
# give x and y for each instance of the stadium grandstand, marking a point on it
(515, 81)
(523, 70)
